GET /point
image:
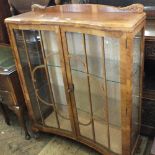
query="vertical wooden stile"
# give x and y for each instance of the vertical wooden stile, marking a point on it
(126, 60)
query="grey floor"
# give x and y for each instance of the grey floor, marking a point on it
(12, 141)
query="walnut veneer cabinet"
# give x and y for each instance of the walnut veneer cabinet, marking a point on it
(81, 72)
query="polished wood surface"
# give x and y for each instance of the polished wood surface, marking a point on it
(102, 17)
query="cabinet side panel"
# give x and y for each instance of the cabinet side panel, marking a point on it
(26, 71)
(136, 94)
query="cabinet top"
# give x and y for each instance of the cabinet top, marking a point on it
(84, 15)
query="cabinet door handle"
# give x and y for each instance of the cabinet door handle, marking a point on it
(71, 88)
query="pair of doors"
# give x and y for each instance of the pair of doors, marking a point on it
(71, 79)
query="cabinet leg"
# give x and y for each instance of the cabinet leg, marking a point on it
(22, 122)
(35, 132)
(4, 112)
(36, 135)
(27, 136)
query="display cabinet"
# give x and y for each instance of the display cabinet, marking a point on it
(81, 72)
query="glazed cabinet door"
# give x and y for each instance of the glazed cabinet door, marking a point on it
(93, 69)
(40, 59)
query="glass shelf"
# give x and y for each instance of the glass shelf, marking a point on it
(93, 75)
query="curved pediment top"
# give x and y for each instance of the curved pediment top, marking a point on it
(88, 8)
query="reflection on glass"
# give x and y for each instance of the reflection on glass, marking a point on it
(38, 72)
(89, 88)
(99, 110)
(85, 124)
(101, 132)
(98, 97)
(76, 51)
(112, 58)
(81, 91)
(112, 64)
(136, 87)
(51, 48)
(114, 106)
(52, 57)
(94, 49)
(115, 139)
(27, 74)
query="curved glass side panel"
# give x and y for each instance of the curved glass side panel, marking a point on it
(136, 87)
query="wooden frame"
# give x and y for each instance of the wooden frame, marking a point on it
(125, 37)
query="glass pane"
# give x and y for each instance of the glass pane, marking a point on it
(85, 127)
(94, 49)
(98, 97)
(81, 93)
(95, 57)
(51, 48)
(115, 139)
(114, 105)
(136, 87)
(89, 88)
(38, 72)
(27, 74)
(112, 58)
(112, 64)
(76, 51)
(52, 57)
(101, 132)
(99, 110)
